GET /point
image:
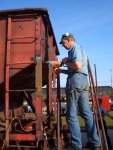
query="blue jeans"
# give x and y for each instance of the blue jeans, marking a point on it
(78, 98)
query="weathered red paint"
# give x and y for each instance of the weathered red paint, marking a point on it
(23, 137)
(27, 41)
(105, 101)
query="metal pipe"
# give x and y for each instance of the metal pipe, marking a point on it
(58, 114)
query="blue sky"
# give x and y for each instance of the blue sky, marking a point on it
(90, 21)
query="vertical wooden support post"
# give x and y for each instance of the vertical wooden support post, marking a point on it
(38, 38)
(54, 94)
(51, 104)
(7, 81)
(58, 114)
(38, 80)
(49, 89)
(38, 100)
(38, 57)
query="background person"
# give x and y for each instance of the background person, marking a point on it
(104, 113)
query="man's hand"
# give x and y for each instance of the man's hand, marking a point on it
(64, 60)
(57, 70)
(55, 64)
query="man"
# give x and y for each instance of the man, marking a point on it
(77, 94)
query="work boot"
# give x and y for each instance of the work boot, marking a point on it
(92, 147)
(71, 147)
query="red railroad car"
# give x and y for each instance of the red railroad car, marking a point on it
(27, 41)
(105, 101)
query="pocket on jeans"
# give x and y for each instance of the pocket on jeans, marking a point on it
(71, 85)
(79, 83)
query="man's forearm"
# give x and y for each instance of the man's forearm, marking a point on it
(74, 65)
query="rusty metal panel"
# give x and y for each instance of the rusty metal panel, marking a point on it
(2, 47)
(23, 137)
(8, 47)
(22, 39)
(29, 37)
(51, 52)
